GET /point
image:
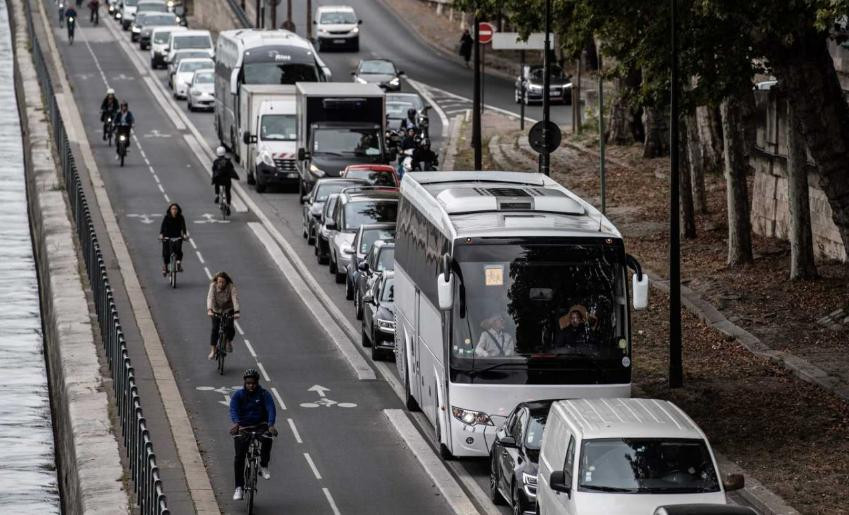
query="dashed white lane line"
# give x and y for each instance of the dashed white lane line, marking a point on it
(331, 501)
(194, 245)
(200, 257)
(239, 328)
(312, 466)
(250, 347)
(278, 397)
(294, 430)
(208, 273)
(264, 373)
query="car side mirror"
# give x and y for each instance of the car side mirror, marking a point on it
(363, 267)
(353, 73)
(347, 249)
(401, 73)
(641, 292)
(303, 154)
(734, 482)
(507, 442)
(305, 198)
(359, 22)
(557, 482)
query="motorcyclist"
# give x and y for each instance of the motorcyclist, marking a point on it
(410, 122)
(408, 142)
(70, 13)
(251, 408)
(108, 108)
(424, 158)
(124, 122)
(223, 172)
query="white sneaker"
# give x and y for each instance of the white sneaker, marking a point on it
(238, 495)
(265, 472)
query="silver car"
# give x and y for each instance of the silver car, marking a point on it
(314, 202)
(357, 207)
(202, 91)
(185, 71)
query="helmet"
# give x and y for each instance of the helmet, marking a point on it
(110, 91)
(252, 373)
(411, 112)
(124, 103)
(220, 151)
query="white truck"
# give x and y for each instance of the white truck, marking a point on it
(268, 133)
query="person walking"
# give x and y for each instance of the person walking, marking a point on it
(466, 42)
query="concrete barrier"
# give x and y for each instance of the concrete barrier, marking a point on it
(91, 474)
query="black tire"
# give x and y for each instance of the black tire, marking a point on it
(349, 290)
(122, 158)
(251, 179)
(364, 340)
(220, 357)
(173, 266)
(444, 453)
(332, 267)
(409, 401)
(190, 107)
(339, 277)
(376, 354)
(494, 495)
(260, 187)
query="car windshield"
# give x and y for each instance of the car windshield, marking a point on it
(370, 236)
(325, 189)
(388, 290)
(377, 67)
(276, 73)
(541, 314)
(153, 8)
(161, 37)
(193, 66)
(363, 212)
(537, 74)
(650, 466)
(203, 78)
(359, 142)
(278, 127)
(386, 259)
(533, 434)
(408, 99)
(159, 19)
(131, 3)
(192, 42)
(373, 177)
(338, 18)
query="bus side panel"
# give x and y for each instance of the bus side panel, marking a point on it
(405, 334)
(431, 350)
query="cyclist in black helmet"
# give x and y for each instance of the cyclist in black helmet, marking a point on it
(251, 408)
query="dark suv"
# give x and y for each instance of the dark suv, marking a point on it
(380, 258)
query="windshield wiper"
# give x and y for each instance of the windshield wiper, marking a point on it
(601, 488)
(475, 372)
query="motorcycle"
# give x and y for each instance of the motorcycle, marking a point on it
(72, 24)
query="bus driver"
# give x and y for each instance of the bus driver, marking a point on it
(494, 340)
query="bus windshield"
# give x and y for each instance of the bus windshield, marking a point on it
(277, 73)
(541, 314)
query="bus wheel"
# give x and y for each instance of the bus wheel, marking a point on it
(444, 453)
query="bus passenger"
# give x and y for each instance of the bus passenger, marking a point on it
(576, 329)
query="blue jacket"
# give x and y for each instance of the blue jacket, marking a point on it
(250, 409)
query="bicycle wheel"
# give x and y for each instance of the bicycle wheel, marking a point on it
(221, 352)
(223, 207)
(252, 482)
(173, 266)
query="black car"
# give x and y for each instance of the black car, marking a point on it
(532, 78)
(378, 328)
(380, 258)
(363, 241)
(378, 71)
(514, 457)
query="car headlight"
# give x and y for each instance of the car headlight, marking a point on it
(534, 87)
(529, 479)
(318, 172)
(395, 81)
(471, 418)
(265, 157)
(178, 19)
(322, 30)
(388, 325)
(355, 30)
(118, 16)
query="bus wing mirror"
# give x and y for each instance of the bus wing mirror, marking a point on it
(641, 292)
(445, 291)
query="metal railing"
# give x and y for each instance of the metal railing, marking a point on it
(148, 488)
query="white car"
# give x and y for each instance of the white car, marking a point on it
(337, 26)
(127, 13)
(159, 40)
(202, 91)
(625, 457)
(195, 40)
(185, 72)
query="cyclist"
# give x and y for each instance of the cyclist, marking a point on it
(222, 298)
(223, 172)
(124, 122)
(252, 407)
(173, 226)
(108, 108)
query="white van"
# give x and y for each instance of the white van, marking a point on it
(337, 25)
(198, 40)
(625, 457)
(159, 40)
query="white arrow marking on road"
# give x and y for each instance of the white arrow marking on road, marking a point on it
(143, 218)
(122, 77)
(156, 134)
(211, 219)
(319, 389)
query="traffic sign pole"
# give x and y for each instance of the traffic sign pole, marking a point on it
(546, 85)
(476, 100)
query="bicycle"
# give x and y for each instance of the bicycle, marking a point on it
(221, 343)
(224, 206)
(172, 262)
(252, 463)
(108, 130)
(122, 143)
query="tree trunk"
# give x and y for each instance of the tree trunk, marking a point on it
(739, 225)
(806, 71)
(802, 264)
(619, 131)
(685, 188)
(710, 134)
(656, 123)
(695, 155)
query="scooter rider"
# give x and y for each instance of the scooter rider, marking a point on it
(424, 158)
(124, 122)
(108, 108)
(410, 121)
(223, 172)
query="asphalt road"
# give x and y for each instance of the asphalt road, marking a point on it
(340, 458)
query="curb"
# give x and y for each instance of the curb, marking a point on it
(90, 469)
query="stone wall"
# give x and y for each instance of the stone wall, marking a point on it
(214, 15)
(770, 212)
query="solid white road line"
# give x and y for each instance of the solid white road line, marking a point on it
(294, 430)
(312, 466)
(356, 360)
(239, 328)
(454, 495)
(208, 273)
(331, 501)
(422, 90)
(277, 396)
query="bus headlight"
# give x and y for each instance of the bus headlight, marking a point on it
(471, 418)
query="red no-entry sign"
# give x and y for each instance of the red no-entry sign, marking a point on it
(485, 32)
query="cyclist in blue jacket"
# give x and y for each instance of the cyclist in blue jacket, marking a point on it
(251, 408)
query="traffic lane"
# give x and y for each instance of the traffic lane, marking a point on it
(304, 352)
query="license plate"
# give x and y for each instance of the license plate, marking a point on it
(555, 93)
(340, 41)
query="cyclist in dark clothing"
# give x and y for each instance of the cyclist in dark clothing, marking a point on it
(173, 226)
(252, 408)
(223, 172)
(108, 109)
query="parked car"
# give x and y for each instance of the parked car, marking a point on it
(380, 259)
(127, 13)
(365, 238)
(376, 175)
(315, 199)
(625, 456)
(159, 38)
(324, 233)
(514, 456)
(704, 509)
(337, 26)
(356, 208)
(185, 71)
(397, 105)
(146, 22)
(378, 326)
(196, 40)
(560, 87)
(201, 91)
(378, 71)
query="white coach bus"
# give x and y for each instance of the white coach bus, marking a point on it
(508, 288)
(249, 56)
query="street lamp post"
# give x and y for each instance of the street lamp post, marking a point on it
(602, 171)
(546, 85)
(476, 100)
(676, 372)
